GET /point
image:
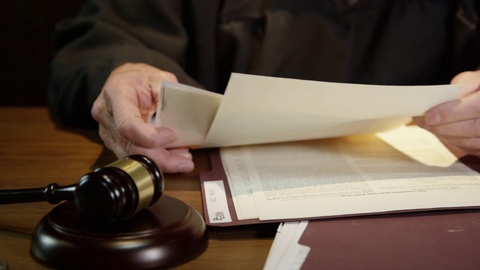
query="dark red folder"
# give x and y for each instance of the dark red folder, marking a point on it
(423, 240)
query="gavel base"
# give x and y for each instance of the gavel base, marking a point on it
(165, 235)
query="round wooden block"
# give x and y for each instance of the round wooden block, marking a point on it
(165, 235)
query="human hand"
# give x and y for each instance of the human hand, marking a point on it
(124, 110)
(457, 123)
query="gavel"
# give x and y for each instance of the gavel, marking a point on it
(111, 193)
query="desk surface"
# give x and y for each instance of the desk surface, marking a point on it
(34, 152)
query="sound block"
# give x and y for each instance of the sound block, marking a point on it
(164, 235)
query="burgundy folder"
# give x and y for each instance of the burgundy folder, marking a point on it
(424, 240)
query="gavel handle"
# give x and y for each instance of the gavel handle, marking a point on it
(53, 194)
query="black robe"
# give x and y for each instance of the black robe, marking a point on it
(392, 42)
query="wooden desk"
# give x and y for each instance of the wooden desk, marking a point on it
(34, 152)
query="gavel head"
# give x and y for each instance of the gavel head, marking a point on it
(117, 191)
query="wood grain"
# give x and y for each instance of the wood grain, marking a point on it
(35, 152)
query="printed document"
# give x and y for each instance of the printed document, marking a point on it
(400, 170)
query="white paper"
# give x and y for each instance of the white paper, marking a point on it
(262, 109)
(411, 141)
(352, 175)
(242, 193)
(187, 110)
(286, 253)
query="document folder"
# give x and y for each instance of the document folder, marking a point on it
(428, 240)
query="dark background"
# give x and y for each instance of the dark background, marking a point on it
(26, 28)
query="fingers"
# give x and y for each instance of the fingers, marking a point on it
(133, 104)
(459, 118)
(169, 161)
(462, 129)
(144, 134)
(464, 110)
(457, 122)
(124, 109)
(469, 145)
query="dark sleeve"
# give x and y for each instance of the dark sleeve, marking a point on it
(105, 35)
(467, 36)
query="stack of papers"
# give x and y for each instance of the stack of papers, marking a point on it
(406, 169)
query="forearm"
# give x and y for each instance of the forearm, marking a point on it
(91, 46)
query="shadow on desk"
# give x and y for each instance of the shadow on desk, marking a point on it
(257, 231)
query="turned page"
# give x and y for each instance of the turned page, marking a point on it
(188, 111)
(262, 109)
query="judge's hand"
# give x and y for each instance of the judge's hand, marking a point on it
(457, 123)
(124, 109)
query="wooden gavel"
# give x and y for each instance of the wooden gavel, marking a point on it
(111, 193)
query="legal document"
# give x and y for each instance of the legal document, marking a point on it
(405, 169)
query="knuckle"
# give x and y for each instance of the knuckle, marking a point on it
(97, 109)
(169, 76)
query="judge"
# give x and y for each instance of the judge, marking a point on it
(111, 59)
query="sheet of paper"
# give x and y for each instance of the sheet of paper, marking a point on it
(187, 110)
(351, 175)
(261, 109)
(242, 193)
(286, 253)
(420, 145)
